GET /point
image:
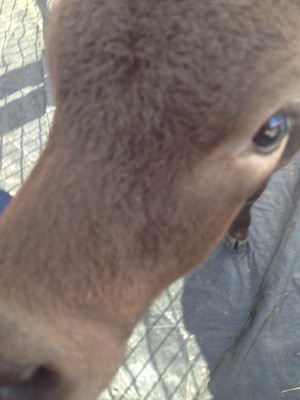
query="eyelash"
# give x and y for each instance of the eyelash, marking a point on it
(269, 136)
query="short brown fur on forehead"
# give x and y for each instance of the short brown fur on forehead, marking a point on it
(169, 63)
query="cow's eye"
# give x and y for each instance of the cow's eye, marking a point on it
(271, 133)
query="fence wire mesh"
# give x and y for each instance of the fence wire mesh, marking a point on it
(163, 360)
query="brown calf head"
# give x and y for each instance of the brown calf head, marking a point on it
(149, 159)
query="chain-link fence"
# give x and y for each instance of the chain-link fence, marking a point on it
(25, 112)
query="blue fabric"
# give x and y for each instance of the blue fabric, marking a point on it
(5, 199)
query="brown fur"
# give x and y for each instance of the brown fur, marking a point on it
(149, 160)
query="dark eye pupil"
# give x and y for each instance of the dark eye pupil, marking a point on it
(272, 131)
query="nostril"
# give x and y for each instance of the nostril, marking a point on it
(28, 382)
(44, 378)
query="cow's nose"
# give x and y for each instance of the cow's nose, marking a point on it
(28, 382)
